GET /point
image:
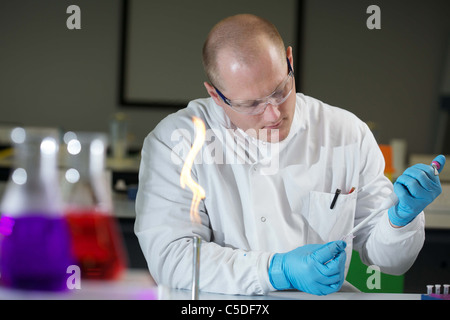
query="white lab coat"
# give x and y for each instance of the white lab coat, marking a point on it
(264, 198)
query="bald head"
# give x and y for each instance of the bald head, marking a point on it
(243, 37)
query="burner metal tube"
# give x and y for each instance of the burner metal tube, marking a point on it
(197, 242)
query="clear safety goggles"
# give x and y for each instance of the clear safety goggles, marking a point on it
(258, 106)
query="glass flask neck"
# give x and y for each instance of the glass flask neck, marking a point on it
(85, 184)
(33, 184)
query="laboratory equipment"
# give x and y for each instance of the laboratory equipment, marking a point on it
(119, 135)
(96, 238)
(437, 288)
(196, 242)
(35, 249)
(389, 202)
(198, 193)
(399, 151)
(436, 166)
(437, 294)
(416, 189)
(429, 289)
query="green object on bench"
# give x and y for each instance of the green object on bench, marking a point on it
(367, 280)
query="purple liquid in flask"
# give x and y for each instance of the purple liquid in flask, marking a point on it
(35, 249)
(35, 255)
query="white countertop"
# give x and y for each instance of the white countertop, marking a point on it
(138, 285)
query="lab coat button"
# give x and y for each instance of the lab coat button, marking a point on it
(263, 219)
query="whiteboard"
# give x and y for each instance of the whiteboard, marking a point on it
(162, 44)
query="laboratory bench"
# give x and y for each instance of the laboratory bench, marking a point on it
(432, 265)
(137, 284)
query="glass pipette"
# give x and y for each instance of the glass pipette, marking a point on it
(390, 201)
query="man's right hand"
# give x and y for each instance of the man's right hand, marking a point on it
(314, 268)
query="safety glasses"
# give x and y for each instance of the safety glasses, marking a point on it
(258, 106)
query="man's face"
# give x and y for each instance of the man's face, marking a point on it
(253, 81)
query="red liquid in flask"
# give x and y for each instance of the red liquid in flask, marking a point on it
(97, 244)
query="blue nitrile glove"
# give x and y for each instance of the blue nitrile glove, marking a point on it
(314, 268)
(416, 188)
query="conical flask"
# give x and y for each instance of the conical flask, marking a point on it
(96, 237)
(35, 249)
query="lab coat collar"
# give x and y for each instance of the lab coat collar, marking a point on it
(220, 116)
(259, 150)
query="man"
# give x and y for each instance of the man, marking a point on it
(285, 177)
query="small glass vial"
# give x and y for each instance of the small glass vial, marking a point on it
(437, 288)
(119, 135)
(35, 249)
(430, 289)
(96, 236)
(446, 287)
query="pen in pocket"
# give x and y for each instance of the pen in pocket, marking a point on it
(336, 195)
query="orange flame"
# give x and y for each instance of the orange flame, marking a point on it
(185, 177)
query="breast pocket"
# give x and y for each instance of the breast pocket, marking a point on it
(326, 224)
